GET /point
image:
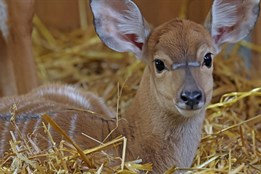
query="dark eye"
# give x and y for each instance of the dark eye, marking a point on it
(208, 60)
(160, 66)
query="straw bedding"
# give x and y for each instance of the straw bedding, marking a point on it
(231, 140)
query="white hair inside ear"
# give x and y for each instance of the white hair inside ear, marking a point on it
(232, 20)
(3, 19)
(120, 25)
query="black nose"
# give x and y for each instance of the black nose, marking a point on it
(191, 98)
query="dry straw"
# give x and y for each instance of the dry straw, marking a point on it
(231, 140)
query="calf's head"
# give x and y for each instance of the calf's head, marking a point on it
(179, 53)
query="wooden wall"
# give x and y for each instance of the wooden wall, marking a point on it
(59, 14)
(64, 15)
(163, 10)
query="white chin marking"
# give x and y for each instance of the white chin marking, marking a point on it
(188, 113)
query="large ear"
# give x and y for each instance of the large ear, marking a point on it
(120, 25)
(3, 19)
(229, 21)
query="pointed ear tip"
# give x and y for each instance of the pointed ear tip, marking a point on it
(93, 2)
(90, 3)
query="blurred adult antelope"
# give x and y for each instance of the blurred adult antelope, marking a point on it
(16, 47)
(163, 124)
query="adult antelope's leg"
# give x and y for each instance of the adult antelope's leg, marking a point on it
(19, 46)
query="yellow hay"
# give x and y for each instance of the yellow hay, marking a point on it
(231, 138)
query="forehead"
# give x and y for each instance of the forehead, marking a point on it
(179, 39)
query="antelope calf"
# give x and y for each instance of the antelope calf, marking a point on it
(163, 124)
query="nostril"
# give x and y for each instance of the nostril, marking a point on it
(191, 100)
(191, 97)
(184, 97)
(197, 95)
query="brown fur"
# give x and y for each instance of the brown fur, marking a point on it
(164, 135)
(159, 129)
(156, 130)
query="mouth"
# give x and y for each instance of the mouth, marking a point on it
(189, 110)
(189, 107)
